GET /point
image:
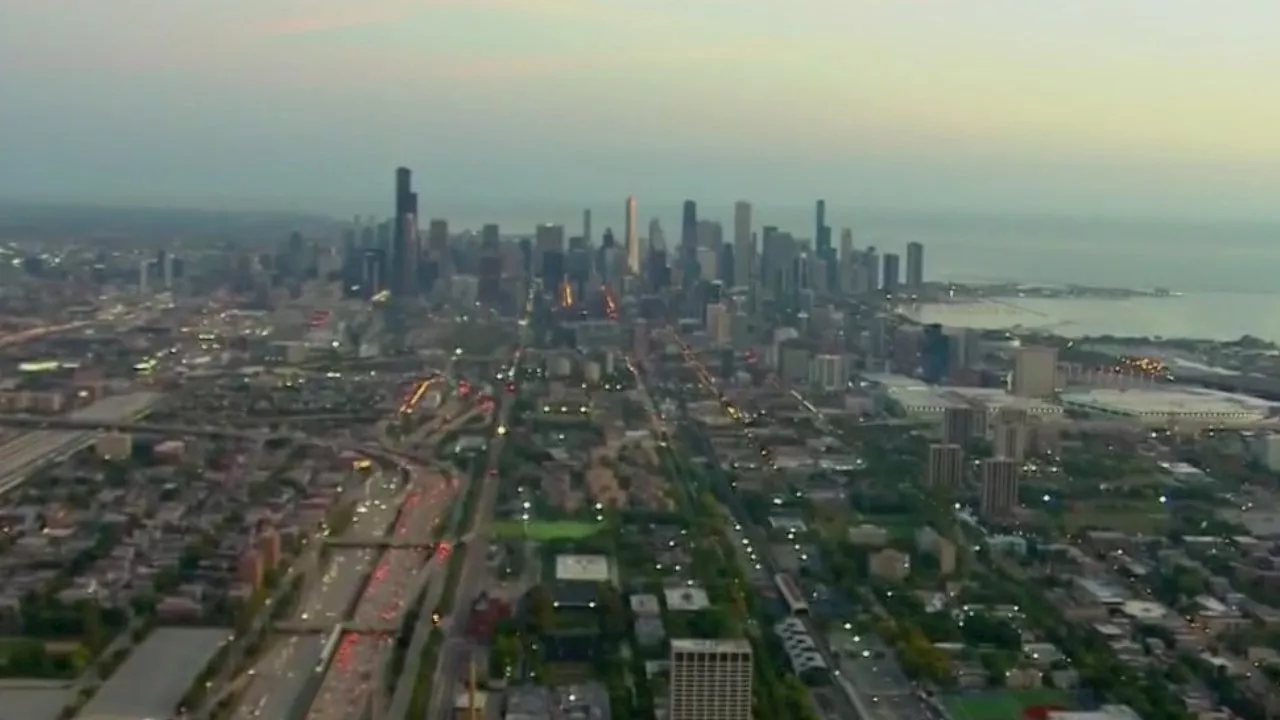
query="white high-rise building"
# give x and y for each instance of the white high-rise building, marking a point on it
(707, 262)
(1035, 372)
(719, 325)
(710, 680)
(744, 246)
(144, 269)
(631, 242)
(827, 371)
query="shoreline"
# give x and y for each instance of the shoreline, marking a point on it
(1216, 317)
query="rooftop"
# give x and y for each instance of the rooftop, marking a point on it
(686, 599)
(1182, 402)
(728, 645)
(152, 681)
(593, 568)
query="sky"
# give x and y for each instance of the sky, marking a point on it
(1111, 106)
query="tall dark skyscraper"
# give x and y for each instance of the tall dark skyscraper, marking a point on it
(892, 275)
(490, 238)
(410, 249)
(915, 266)
(823, 248)
(688, 255)
(401, 243)
(689, 227)
(819, 223)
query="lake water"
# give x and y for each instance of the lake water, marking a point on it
(1215, 316)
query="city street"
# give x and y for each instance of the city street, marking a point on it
(453, 665)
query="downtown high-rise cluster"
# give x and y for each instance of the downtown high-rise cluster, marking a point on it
(704, 274)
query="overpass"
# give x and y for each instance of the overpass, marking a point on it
(248, 429)
(24, 455)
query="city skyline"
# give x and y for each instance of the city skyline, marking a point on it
(1004, 106)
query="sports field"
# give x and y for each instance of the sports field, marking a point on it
(1002, 704)
(546, 531)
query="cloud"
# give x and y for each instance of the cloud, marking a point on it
(312, 17)
(527, 66)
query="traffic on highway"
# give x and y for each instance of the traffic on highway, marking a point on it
(348, 687)
(352, 677)
(329, 597)
(279, 678)
(23, 455)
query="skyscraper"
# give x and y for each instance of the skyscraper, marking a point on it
(892, 275)
(586, 226)
(689, 225)
(490, 238)
(548, 248)
(408, 268)
(710, 680)
(846, 245)
(999, 487)
(823, 249)
(915, 266)
(744, 249)
(688, 241)
(820, 239)
(632, 242)
(404, 201)
(1035, 371)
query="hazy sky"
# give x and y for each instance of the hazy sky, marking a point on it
(1113, 105)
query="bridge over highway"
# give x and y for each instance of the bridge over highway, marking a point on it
(247, 428)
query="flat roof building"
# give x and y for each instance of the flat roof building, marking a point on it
(710, 680)
(585, 568)
(686, 599)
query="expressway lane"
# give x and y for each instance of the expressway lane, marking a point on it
(353, 679)
(325, 599)
(348, 686)
(329, 596)
(397, 574)
(25, 454)
(279, 678)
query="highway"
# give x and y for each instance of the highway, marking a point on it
(328, 597)
(399, 571)
(453, 664)
(26, 454)
(325, 598)
(350, 684)
(279, 677)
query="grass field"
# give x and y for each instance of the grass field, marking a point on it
(546, 531)
(1001, 704)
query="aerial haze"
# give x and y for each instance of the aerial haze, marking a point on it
(1135, 107)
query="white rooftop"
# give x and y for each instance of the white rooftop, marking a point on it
(686, 599)
(588, 568)
(728, 645)
(1182, 403)
(996, 398)
(915, 396)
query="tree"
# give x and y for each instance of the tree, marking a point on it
(542, 613)
(91, 617)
